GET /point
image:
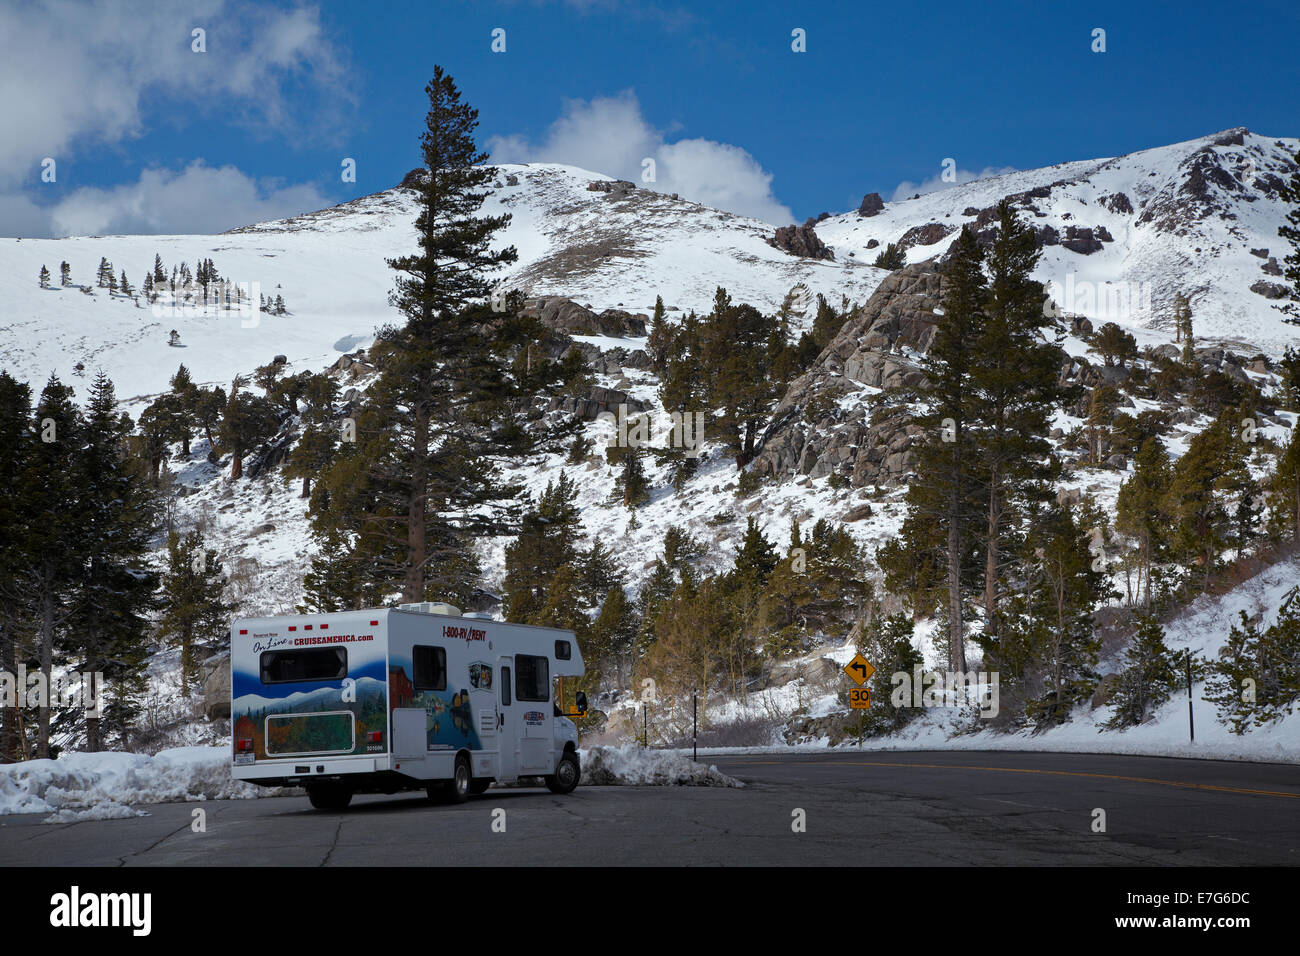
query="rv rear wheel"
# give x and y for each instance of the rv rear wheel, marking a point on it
(567, 772)
(329, 796)
(459, 790)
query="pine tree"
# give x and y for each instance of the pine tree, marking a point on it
(65, 274)
(116, 520)
(1142, 510)
(441, 409)
(159, 273)
(887, 645)
(45, 277)
(102, 274)
(246, 422)
(1284, 488)
(660, 339)
(1148, 677)
(1183, 328)
(613, 638)
(891, 257)
(321, 434)
(146, 287)
(946, 459)
(1114, 345)
(124, 285)
(112, 282)
(1214, 461)
(734, 346)
(1256, 679)
(51, 556)
(1290, 231)
(547, 541)
(1054, 632)
(195, 613)
(16, 447)
(632, 484)
(1016, 388)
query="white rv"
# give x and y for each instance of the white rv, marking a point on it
(414, 697)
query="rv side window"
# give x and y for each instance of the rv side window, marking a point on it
(532, 677)
(505, 686)
(317, 663)
(430, 668)
(563, 651)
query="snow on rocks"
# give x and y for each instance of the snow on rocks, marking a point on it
(632, 766)
(98, 781)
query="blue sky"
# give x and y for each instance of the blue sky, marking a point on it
(149, 136)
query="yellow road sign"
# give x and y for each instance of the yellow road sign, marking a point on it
(859, 698)
(859, 670)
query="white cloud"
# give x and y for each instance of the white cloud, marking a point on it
(199, 199)
(907, 189)
(77, 71)
(609, 135)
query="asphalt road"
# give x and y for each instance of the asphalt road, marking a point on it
(868, 809)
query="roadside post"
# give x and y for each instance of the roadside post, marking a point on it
(1191, 721)
(695, 702)
(859, 670)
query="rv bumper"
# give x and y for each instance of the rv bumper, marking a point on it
(297, 771)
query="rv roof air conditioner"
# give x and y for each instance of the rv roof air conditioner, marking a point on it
(431, 607)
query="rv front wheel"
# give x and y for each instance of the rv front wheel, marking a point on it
(567, 772)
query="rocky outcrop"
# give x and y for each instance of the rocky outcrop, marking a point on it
(1118, 203)
(596, 401)
(801, 241)
(925, 235)
(1083, 240)
(809, 434)
(872, 205)
(1270, 290)
(565, 315)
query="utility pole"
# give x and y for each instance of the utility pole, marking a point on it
(1191, 721)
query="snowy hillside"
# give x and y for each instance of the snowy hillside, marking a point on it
(329, 266)
(1199, 217)
(1180, 217)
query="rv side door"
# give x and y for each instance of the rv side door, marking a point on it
(508, 728)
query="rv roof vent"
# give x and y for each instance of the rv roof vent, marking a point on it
(431, 607)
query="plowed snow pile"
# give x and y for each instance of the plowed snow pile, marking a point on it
(81, 781)
(632, 766)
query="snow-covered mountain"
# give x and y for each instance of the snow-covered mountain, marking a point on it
(1123, 235)
(1199, 217)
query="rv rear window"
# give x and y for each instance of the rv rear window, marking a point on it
(317, 663)
(563, 651)
(430, 668)
(532, 678)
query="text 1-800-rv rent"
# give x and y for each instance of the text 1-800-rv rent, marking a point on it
(400, 698)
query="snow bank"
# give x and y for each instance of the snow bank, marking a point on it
(631, 766)
(84, 782)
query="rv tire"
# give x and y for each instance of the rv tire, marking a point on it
(479, 785)
(567, 773)
(458, 790)
(326, 796)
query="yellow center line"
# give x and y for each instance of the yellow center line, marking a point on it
(1051, 773)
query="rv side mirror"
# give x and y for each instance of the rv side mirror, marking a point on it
(581, 702)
